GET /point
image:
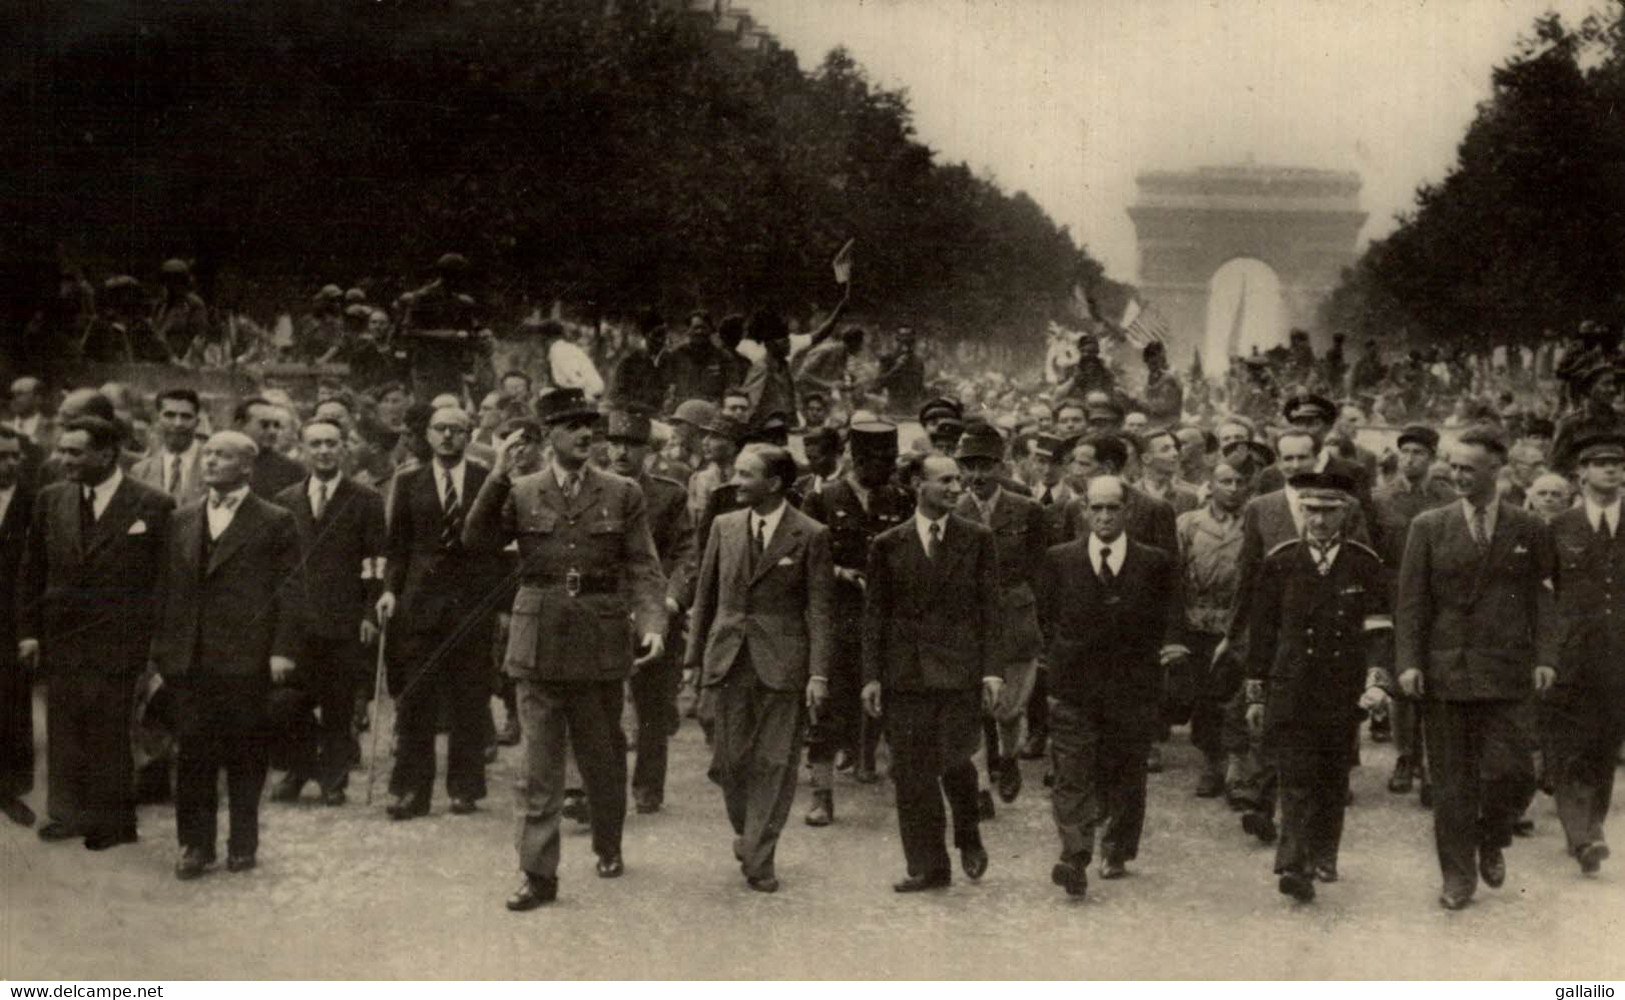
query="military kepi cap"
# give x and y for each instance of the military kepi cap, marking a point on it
(1427, 437)
(627, 426)
(1322, 489)
(1309, 405)
(873, 438)
(559, 405)
(1600, 446)
(941, 408)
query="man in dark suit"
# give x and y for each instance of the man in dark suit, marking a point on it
(1585, 715)
(229, 627)
(262, 421)
(1314, 415)
(1476, 609)
(1146, 519)
(588, 568)
(761, 636)
(85, 611)
(1018, 528)
(341, 549)
(1397, 503)
(1108, 604)
(16, 686)
(1306, 669)
(855, 508)
(440, 602)
(931, 662)
(654, 687)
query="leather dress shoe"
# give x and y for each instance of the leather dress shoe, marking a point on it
(534, 891)
(1492, 866)
(1112, 868)
(18, 812)
(984, 805)
(763, 883)
(924, 883)
(1591, 857)
(611, 867)
(57, 830)
(1400, 782)
(575, 806)
(1010, 780)
(1210, 785)
(1259, 825)
(241, 862)
(822, 812)
(844, 761)
(1326, 873)
(1071, 876)
(646, 804)
(462, 807)
(288, 789)
(1153, 760)
(101, 840)
(491, 752)
(193, 862)
(1297, 885)
(509, 735)
(334, 797)
(407, 807)
(974, 861)
(1454, 900)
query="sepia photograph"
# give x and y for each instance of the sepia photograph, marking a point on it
(858, 491)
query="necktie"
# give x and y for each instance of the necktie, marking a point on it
(1481, 531)
(935, 541)
(451, 525)
(759, 540)
(87, 512)
(1046, 499)
(1107, 578)
(174, 475)
(320, 507)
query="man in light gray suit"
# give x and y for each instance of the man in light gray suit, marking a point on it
(175, 467)
(762, 630)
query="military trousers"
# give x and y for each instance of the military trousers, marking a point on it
(1313, 774)
(1583, 732)
(587, 714)
(654, 698)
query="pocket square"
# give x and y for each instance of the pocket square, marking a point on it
(138, 528)
(787, 561)
(1519, 550)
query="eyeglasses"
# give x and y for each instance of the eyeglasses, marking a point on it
(448, 429)
(1105, 508)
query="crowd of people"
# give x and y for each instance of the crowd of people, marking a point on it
(745, 519)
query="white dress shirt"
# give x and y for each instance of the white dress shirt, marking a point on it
(166, 464)
(220, 516)
(102, 494)
(5, 501)
(27, 426)
(1596, 511)
(1114, 552)
(325, 488)
(923, 524)
(767, 524)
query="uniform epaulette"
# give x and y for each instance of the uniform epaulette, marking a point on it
(1284, 545)
(668, 481)
(1363, 547)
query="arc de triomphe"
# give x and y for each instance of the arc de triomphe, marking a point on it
(1302, 223)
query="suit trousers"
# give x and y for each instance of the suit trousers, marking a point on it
(312, 712)
(654, 698)
(1584, 731)
(16, 729)
(1098, 757)
(221, 725)
(427, 673)
(1483, 775)
(759, 733)
(932, 735)
(90, 773)
(1314, 793)
(588, 713)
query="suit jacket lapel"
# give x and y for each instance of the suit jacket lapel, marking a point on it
(67, 518)
(953, 549)
(115, 520)
(191, 523)
(787, 535)
(244, 523)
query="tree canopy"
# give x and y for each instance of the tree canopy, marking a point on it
(1527, 231)
(616, 156)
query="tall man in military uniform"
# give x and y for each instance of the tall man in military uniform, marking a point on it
(1306, 669)
(588, 566)
(654, 687)
(1585, 722)
(1476, 611)
(855, 508)
(1018, 528)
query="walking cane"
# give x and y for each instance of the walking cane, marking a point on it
(378, 686)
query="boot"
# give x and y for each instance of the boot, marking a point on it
(1400, 782)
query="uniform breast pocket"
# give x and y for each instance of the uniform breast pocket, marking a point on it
(607, 532)
(538, 521)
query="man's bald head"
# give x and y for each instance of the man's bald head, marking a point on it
(228, 460)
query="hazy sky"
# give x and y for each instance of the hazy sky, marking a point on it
(1068, 99)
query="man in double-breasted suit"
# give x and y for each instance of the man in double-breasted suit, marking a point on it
(1584, 721)
(176, 467)
(341, 550)
(85, 607)
(439, 599)
(1019, 535)
(229, 627)
(931, 664)
(1475, 612)
(16, 686)
(761, 636)
(588, 569)
(1108, 605)
(1306, 671)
